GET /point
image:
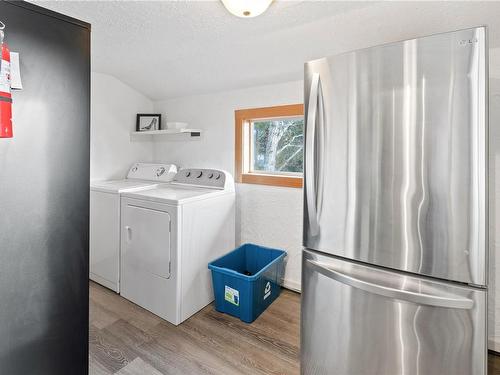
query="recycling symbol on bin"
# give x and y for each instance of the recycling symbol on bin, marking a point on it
(267, 290)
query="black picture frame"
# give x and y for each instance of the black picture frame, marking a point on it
(142, 116)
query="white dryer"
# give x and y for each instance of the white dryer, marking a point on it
(169, 235)
(105, 218)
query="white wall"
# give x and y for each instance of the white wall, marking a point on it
(272, 216)
(113, 112)
(494, 285)
(269, 216)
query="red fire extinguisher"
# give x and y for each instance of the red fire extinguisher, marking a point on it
(5, 95)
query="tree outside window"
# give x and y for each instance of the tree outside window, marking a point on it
(270, 145)
(278, 145)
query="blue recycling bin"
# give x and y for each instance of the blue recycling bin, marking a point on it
(247, 280)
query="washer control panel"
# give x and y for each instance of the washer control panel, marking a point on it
(152, 172)
(212, 178)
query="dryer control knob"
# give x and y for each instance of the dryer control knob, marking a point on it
(199, 175)
(188, 174)
(210, 175)
(218, 176)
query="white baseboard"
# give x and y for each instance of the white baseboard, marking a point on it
(292, 285)
(494, 344)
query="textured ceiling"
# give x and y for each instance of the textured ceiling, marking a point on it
(175, 48)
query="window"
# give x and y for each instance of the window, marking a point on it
(270, 145)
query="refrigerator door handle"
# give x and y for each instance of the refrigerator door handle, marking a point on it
(443, 300)
(310, 178)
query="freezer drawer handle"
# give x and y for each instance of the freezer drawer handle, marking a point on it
(418, 298)
(129, 233)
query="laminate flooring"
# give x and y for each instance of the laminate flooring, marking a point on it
(128, 340)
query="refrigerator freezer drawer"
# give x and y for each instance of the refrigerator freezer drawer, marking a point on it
(360, 320)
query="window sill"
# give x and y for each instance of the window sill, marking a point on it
(272, 180)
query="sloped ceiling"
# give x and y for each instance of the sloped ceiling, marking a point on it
(168, 49)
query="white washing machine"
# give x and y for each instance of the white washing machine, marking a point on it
(169, 235)
(105, 218)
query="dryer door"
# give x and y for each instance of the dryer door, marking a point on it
(146, 244)
(147, 237)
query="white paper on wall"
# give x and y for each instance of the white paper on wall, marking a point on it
(15, 72)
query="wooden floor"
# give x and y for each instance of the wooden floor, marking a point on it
(493, 364)
(128, 340)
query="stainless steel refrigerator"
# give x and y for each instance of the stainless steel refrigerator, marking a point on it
(394, 277)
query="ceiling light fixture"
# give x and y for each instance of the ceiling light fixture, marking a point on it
(247, 8)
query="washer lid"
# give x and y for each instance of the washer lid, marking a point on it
(174, 194)
(120, 186)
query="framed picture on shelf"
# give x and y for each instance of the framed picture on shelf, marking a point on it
(147, 122)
